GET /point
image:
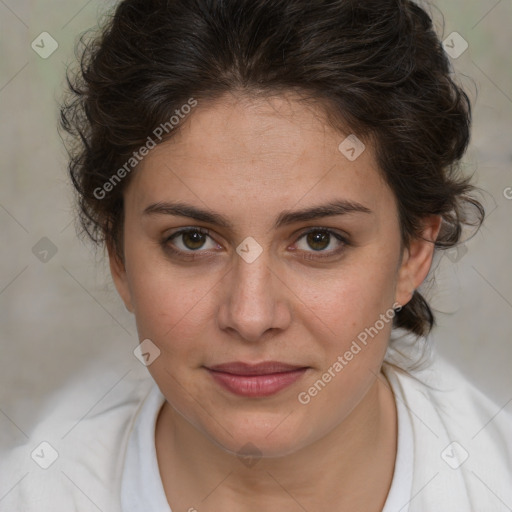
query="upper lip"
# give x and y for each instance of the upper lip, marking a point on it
(264, 368)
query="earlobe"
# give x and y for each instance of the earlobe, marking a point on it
(417, 259)
(120, 278)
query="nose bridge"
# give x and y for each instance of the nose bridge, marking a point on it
(251, 302)
(253, 277)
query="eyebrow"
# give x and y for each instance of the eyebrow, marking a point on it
(287, 217)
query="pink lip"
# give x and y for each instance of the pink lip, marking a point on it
(259, 380)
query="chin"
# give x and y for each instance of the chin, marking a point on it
(259, 439)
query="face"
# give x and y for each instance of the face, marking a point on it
(245, 274)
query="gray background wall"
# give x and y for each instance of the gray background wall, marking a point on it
(61, 320)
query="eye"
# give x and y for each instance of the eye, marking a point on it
(191, 242)
(188, 240)
(319, 239)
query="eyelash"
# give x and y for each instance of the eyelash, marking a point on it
(192, 255)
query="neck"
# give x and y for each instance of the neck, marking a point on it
(337, 469)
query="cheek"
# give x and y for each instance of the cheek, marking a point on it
(351, 297)
(356, 306)
(170, 303)
(169, 307)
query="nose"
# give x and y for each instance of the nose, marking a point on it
(255, 301)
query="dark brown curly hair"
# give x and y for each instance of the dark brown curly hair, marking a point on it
(376, 66)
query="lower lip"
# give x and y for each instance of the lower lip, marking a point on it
(257, 385)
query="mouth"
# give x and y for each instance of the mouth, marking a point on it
(256, 380)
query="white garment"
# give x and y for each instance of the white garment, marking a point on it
(88, 474)
(400, 492)
(142, 490)
(141, 485)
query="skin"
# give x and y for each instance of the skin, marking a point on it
(250, 159)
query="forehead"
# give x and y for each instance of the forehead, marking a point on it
(263, 153)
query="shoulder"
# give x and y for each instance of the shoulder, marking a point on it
(71, 461)
(462, 439)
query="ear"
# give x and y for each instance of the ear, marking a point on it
(118, 271)
(417, 259)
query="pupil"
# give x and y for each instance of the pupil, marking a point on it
(318, 237)
(193, 235)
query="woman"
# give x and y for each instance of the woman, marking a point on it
(271, 179)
